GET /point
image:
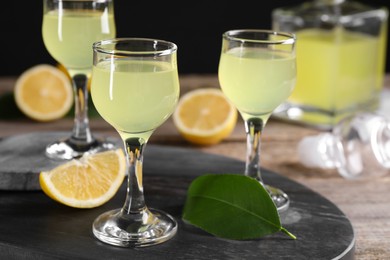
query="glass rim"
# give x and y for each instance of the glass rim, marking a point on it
(232, 35)
(98, 46)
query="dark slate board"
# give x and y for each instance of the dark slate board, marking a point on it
(32, 226)
(23, 156)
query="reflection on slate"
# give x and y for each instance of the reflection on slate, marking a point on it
(22, 158)
(34, 226)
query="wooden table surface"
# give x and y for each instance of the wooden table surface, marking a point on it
(365, 201)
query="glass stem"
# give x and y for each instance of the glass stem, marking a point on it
(81, 134)
(253, 128)
(135, 202)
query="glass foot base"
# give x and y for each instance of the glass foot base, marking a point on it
(69, 149)
(280, 198)
(150, 227)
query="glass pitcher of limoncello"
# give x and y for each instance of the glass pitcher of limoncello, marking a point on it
(341, 50)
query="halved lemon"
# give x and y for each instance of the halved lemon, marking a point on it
(43, 93)
(87, 182)
(204, 116)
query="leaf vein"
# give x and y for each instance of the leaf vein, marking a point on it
(236, 206)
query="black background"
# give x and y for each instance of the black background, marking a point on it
(195, 26)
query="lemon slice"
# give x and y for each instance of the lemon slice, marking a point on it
(43, 93)
(87, 182)
(204, 116)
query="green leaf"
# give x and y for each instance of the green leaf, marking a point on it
(231, 206)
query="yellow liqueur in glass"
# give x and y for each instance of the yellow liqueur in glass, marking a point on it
(135, 88)
(341, 48)
(345, 72)
(69, 28)
(156, 87)
(269, 77)
(257, 72)
(69, 35)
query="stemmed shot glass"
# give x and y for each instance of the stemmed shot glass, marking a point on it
(135, 88)
(69, 29)
(257, 72)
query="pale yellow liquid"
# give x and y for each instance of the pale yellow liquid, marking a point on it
(135, 97)
(256, 81)
(382, 57)
(69, 36)
(336, 69)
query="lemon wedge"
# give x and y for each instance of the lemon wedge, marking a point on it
(87, 182)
